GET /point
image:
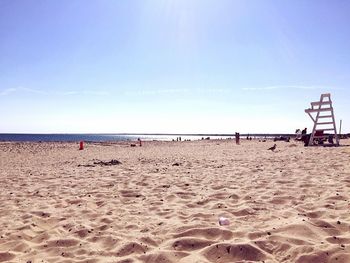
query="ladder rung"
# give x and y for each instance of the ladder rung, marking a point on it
(319, 123)
(321, 103)
(318, 110)
(326, 116)
(330, 129)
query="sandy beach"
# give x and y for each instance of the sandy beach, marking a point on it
(162, 202)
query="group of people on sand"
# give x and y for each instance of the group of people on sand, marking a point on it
(303, 136)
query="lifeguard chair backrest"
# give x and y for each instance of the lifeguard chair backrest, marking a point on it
(322, 114)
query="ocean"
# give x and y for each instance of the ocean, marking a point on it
(23, 137)
(99, 137)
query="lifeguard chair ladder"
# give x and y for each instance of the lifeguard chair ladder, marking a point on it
(324, 120)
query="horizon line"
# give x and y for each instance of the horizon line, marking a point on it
(159, 134)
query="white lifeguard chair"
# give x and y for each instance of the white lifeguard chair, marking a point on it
(324, 121)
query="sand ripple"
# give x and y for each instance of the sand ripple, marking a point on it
(161, 203)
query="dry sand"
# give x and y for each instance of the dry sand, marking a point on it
(162, 203)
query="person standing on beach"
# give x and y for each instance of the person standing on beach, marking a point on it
(303, 132)
(237, 137)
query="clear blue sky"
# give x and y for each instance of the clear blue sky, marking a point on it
(171, 65)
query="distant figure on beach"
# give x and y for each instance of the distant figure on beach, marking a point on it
(305, 137)
(298, 135)
(330, 139)
(237, 137)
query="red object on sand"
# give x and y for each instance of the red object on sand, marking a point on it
(81, 147)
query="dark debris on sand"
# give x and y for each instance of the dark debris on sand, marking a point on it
(101, 163)
(111, 162)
